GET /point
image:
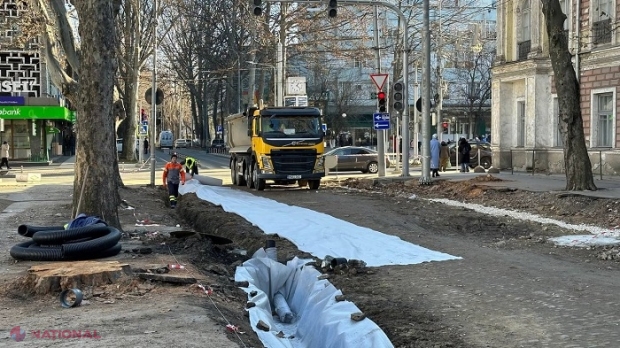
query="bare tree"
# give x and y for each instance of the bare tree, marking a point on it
(577, 165)
(472, 82)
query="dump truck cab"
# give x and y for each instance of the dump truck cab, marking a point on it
(281, 145)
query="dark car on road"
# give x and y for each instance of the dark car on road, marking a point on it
(218, 143)
(353, 158)
(486, 156)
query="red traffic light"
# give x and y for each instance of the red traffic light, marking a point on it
(381, 95)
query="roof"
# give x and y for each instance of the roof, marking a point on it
(291, 111)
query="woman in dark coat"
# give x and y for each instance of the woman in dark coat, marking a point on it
(464, 150)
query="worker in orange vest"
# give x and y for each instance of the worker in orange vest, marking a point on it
(174, 174)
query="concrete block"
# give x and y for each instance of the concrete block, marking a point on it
(493, 170)
(28, 177)
(479, 169)
(207, 180)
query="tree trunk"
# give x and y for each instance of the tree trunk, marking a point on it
(96, 163)
(133, 115)
(577, 165)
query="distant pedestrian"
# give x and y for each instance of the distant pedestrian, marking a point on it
(5, 155)
(146, 146)
(173, 176)
(444, 156)
(464, 153)
(435, 150)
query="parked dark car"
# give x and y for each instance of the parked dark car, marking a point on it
(486, 156)
(352, 158)
(218, 143)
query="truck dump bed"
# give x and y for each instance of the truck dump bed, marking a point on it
(237, 133)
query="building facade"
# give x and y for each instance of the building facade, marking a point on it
(34, 119)
(525, 133)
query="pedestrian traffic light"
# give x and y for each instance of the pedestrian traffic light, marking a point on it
(381, 100)
(258, 7)
(397, 94)
(332, 8)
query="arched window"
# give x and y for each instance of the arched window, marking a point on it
(525, 42)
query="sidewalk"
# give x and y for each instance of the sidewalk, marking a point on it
(608, 187)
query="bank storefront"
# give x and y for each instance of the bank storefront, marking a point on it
(33, 132)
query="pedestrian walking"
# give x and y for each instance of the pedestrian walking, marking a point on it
(5, 155)
(146, 146)
(464, 151)
(191, 165)
(172, 177)
(435, 150)
(444, 156)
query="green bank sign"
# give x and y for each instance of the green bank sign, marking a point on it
(36, 113)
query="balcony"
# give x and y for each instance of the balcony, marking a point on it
(601, 31)
(523, 49)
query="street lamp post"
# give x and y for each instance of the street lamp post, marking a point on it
(154, 94)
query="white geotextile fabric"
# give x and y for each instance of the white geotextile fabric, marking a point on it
(316, 233)
(319, 321)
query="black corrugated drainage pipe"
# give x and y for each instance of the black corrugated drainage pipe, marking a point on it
(29, 231)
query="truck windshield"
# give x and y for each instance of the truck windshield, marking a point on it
(291, 127)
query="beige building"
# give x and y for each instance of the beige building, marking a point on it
(524, 108)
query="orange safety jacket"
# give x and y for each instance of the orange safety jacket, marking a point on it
(173, 173)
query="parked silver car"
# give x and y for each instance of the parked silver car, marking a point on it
(357, 158)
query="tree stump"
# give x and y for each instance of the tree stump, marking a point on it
(58, 276)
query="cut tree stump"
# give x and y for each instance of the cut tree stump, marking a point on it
(58, 276)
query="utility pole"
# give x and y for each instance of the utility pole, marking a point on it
(380, 132)
(439, 118)
(153, 121)
(425, 177)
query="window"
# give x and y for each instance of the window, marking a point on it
(603, 119)
(473, 90)
(602, 11)
(525, 43)
(521, 125)
(559, 141)
(357, 63)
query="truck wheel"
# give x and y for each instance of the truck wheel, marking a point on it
(314, 184)
(259, 184)
(249, 182)
(233, 172)
(240, 176)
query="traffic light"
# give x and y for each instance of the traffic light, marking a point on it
(381, 100)
(258, 7)
(397, 94)
(332, 8)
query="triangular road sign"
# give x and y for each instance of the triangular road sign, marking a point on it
(379, 80)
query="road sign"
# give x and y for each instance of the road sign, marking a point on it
(219, 129)
(144, 129)
(145, 123)
(379, 80)
(324, 127)
(381, 120)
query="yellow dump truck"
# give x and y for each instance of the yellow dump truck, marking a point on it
(276, 145)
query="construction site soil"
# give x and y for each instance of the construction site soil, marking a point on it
(412, 303)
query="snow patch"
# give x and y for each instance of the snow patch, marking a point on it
(599, 236)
